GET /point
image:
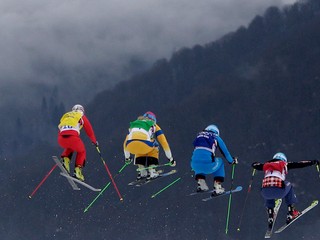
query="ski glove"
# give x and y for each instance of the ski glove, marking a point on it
(128, 161)
(96, 144)
(172, 162)
(235, 160)
(257, 165)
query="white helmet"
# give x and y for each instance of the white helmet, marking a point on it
(280, 156)
(78, 108)
(213, 128)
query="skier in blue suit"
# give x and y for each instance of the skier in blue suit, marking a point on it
(205, 162)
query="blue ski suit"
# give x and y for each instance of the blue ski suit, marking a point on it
(204, 161)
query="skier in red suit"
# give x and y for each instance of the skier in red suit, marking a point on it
(69, 138)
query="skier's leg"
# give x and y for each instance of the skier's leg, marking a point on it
(141, 163)
(201, 164)
(152, 163)
(290, 199)
(218, 176)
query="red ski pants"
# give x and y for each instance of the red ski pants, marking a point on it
(72, 144)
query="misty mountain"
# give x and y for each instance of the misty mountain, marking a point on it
(259, 84)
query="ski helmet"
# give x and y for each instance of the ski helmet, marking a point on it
(213, 128)
(78, 108)
(280, 156)
(151, 116)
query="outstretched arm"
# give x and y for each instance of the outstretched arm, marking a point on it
(224, 150)
(88, 129)
(302, 164)
(161, 138)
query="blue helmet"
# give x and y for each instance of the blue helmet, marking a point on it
(280, 156)
(213, 128)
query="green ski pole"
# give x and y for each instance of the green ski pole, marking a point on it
(154, 195)
(230, 197)
(108, 184)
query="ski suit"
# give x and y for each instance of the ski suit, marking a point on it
(69, 136)
(204, 161)
(143, 141)
(274, 184)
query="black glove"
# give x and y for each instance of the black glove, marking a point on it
(128, 160)
(314, 162)
(255, 164)
(235, 160)
(172, 162)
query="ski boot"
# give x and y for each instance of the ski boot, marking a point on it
(270, 217)
(78, 173)
(202, 185)
(142, 172)
(217, 189)
(292, 213)
(66, 164)
(152, 173)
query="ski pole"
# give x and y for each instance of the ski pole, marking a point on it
(318, 169)
(109, 173)
(169, 185)
(42, 181)
(155, 166)
(245, 201)
(108, 184)
(230, 197)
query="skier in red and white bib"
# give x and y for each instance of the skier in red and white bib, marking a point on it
(275, 186)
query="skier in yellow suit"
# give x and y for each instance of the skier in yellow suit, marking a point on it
(143, 142)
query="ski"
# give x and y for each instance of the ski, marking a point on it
(161, 175)
(137, 181)
(275, 214)
(237, 189)
(80, 182)
(141, 182)
(311, 206)
(206, 192)
(63, 170)
(211, 191)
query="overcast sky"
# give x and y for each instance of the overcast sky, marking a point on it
(76, 34)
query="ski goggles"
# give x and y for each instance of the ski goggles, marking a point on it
(150, 116)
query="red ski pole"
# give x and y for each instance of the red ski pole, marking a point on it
(42, 181)
(109, 173)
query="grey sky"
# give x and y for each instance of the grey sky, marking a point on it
(37, 35)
